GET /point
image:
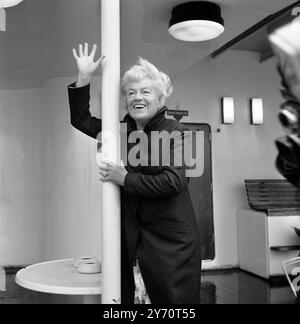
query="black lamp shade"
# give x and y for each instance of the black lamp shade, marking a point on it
(202, 12)
(196, 10)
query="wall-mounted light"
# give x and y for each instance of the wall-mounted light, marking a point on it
(6, 4)
(257, 113)
(2, 19)
(9, 3)
(196, 21)
(227, 110)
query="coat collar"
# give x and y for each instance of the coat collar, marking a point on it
(152, 123)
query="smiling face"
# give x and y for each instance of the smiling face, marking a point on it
(143, 101)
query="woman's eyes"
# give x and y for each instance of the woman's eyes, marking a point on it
(131, 93)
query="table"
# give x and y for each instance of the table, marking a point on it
(61, 277)
(266, 241)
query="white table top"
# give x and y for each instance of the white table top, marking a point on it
(59, 277)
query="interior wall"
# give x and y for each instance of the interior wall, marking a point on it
(21, 177)
(72, 191)
(50, 193)
(241, 150)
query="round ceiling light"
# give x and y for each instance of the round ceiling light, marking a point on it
(196, 21)
(9, 3)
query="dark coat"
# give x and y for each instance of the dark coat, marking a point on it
(158, 221)
(288, 160)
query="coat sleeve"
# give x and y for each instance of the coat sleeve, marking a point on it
(81, 119)
(288, 160)
(170, 181)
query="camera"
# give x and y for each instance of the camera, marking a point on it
(288, 146)
(289, 117)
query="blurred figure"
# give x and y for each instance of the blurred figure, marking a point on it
(285, 43)
(288, 159)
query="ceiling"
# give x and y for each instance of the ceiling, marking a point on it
(41, 34)
(255, 39)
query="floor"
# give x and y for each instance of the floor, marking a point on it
(239, 287)
(218, 287)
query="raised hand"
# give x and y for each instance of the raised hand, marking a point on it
(85, 63)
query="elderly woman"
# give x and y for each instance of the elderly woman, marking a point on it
(159, 227)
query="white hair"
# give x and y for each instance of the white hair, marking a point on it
(146, 70)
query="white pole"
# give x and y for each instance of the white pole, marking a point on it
(111, 246)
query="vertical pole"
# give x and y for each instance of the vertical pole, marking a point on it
(111, 246)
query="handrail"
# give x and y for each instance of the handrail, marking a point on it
(253, 29)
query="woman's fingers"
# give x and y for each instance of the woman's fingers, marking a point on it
(111, 164)
(107, 163)
(107, 166)
(80, 50)
(106, 176)
(93, 52)
(86, 49)
(99, 60)
(104, 173)
(83, 51)
(104, 167)
(75, 54)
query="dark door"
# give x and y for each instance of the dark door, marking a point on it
(201, 193)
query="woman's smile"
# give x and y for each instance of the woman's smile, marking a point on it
(139, 106)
